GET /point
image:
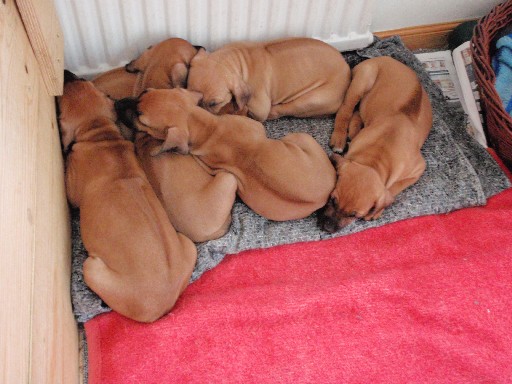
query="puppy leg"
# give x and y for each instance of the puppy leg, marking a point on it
(396, 188)
(216, 201)
(364, 77)
(343, 118)
(319, 102)
(384, 201)
(355, 125)
(412, 178)
(258, 108)
(115, 291)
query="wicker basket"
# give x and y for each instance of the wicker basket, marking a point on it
(498, 121)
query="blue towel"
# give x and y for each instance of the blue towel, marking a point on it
(502, 65)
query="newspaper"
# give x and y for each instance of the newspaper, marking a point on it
(453, 74)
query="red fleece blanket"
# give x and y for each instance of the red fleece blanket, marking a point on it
(424, 300)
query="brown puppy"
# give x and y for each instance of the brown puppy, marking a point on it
(288, 77)
(198, 204)
(384, 158)
(279, 179)
(116, 83)
(137, 262)
(164, 65)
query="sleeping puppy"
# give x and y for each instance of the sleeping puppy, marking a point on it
(384, 158)
(137, 262)
(197, 203)
(164, 65)
(288, 77)
(279, 179)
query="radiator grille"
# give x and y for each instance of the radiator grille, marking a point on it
(103, 34)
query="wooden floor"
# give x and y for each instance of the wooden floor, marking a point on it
(433, 36)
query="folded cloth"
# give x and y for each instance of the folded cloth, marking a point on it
(460, 173)
(502, 65)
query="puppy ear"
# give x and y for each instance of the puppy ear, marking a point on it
(154, 78)
(242, 94)
(176, 139)
(179, 74)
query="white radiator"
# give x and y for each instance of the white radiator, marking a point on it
(103, 34)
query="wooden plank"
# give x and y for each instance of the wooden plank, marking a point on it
(18, 98)
(54, 332)
(38, 336)
(433, 36)
(43, 29)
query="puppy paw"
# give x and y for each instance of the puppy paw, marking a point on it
(339, 143)
(381, 203)
(273, 114)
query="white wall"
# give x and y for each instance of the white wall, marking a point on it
(395, 14)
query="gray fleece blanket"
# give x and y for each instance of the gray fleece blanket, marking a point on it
(460, 173)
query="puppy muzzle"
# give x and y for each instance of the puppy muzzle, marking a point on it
(331, 219)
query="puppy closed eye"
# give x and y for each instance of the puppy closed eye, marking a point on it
(212, 104)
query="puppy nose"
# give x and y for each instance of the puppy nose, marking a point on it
(327, 219)
(327, 223)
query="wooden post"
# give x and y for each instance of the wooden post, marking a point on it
(38, 333)
(45, 35)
